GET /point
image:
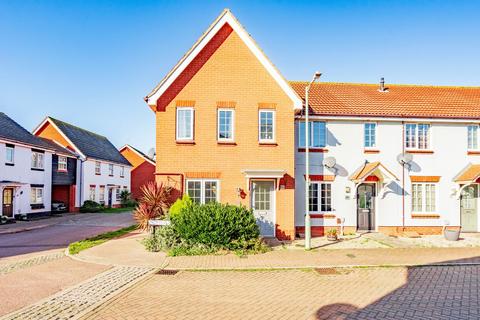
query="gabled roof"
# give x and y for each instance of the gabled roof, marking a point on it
(398, 101)
(225, 18)
(89, 144)
(139, 153)
(369, 168)
(469, 174)
(12, 131)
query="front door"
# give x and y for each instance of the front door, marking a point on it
(7, 207)
(468, 208)
(110, 200)
(263, 205)
(366, 207)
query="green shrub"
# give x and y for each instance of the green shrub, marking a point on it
(215, 224)
(91, 206)
(179, 205)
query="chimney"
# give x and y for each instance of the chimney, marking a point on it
(382, 85)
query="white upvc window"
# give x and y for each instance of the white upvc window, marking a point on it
(36, 195)
(122, 172)
(185, 119)
(202, 190)
(62, 164)
(320, 197)
(37, 160)
(101, 194)
(369, 134)
(10, 154)
(98, 167)
(317, 134)
(117, 193)
(417, 136)
(110, 169)
(225, 126)
(472, 137)
(92, 192)
(423, 197)
(266, 126)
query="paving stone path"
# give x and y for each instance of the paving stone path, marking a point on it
(17, 265)
(73, 302)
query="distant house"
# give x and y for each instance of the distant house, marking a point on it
(143, 169)
(103, 172)
(29, 165)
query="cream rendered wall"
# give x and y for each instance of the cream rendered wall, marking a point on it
(345, 143)
(21, 172)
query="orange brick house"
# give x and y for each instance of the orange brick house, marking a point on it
(394, 158)
(226, 79)
(143, 169)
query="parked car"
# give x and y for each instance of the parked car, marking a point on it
(58, 207)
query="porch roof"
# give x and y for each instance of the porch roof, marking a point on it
(372, 168)
(469, 174)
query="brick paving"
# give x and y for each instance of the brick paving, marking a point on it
(434, 292)
(71, 303)
(21, 264)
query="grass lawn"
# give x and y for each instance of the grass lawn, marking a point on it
(117, 210)
(81, 245)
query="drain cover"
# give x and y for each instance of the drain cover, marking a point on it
(165, 272)
(326, 271)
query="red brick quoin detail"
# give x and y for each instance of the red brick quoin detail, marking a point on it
(197, 63)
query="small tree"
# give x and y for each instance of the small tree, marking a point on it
(154, 203)
(125, 198)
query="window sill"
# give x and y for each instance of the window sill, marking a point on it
(226, 143)
(322, 216)
(320, 150)
(371, 151)
(417, 151)
(37, 206)
(110, 175)
(267, 144)
(62, 171)
(425, 216)
(473, 152)
(9, 164)
(185, 142)
(37, 169)
(98, 174)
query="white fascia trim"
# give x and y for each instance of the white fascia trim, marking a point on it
(47, 119)
(137, 153)
(108, 162)
(249, 173)
(389, 119)
(233, 22)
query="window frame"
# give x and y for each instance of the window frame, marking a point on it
(94, 189)
(202, 188)
(417, 136)
(274, 116)
(375, 127)
(101, 195)
(476, 126)
(111, 169)
(424, 197)
(311, 136)
(232, 124)
(320, 202)
(34, 194)
(7, 149)
(39, 164)
(64, 164)
(192, 110)
(122, 171)
(98, 165)
(117, 194)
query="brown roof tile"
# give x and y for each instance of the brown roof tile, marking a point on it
(404, 101)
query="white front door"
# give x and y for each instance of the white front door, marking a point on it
(263, 205)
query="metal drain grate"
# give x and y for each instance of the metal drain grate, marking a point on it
(326, 271)
(164, 272)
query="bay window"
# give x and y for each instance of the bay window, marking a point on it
(202, 191)
(317, 134)
(184, 130)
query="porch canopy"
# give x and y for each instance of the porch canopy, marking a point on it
(470, 174)
(10, 184)
(372, 169)
(262, 174)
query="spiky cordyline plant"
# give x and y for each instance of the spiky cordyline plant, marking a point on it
(153, 204)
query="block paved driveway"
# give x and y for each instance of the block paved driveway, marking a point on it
(54, 233)
(440, 292)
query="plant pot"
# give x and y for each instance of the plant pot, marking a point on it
(451, 235)
(332, 238)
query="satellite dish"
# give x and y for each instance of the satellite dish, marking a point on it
(404, 158)
(329, 162)
(151, 153)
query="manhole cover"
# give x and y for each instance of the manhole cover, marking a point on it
(164, 272)
(326, 271)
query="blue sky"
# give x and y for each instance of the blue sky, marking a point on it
(92, 62)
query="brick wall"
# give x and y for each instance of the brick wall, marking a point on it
(140, 176)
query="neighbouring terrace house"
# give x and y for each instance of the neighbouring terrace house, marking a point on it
(30, 168)
(143, 169)
(393, 158)
(102, 173)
